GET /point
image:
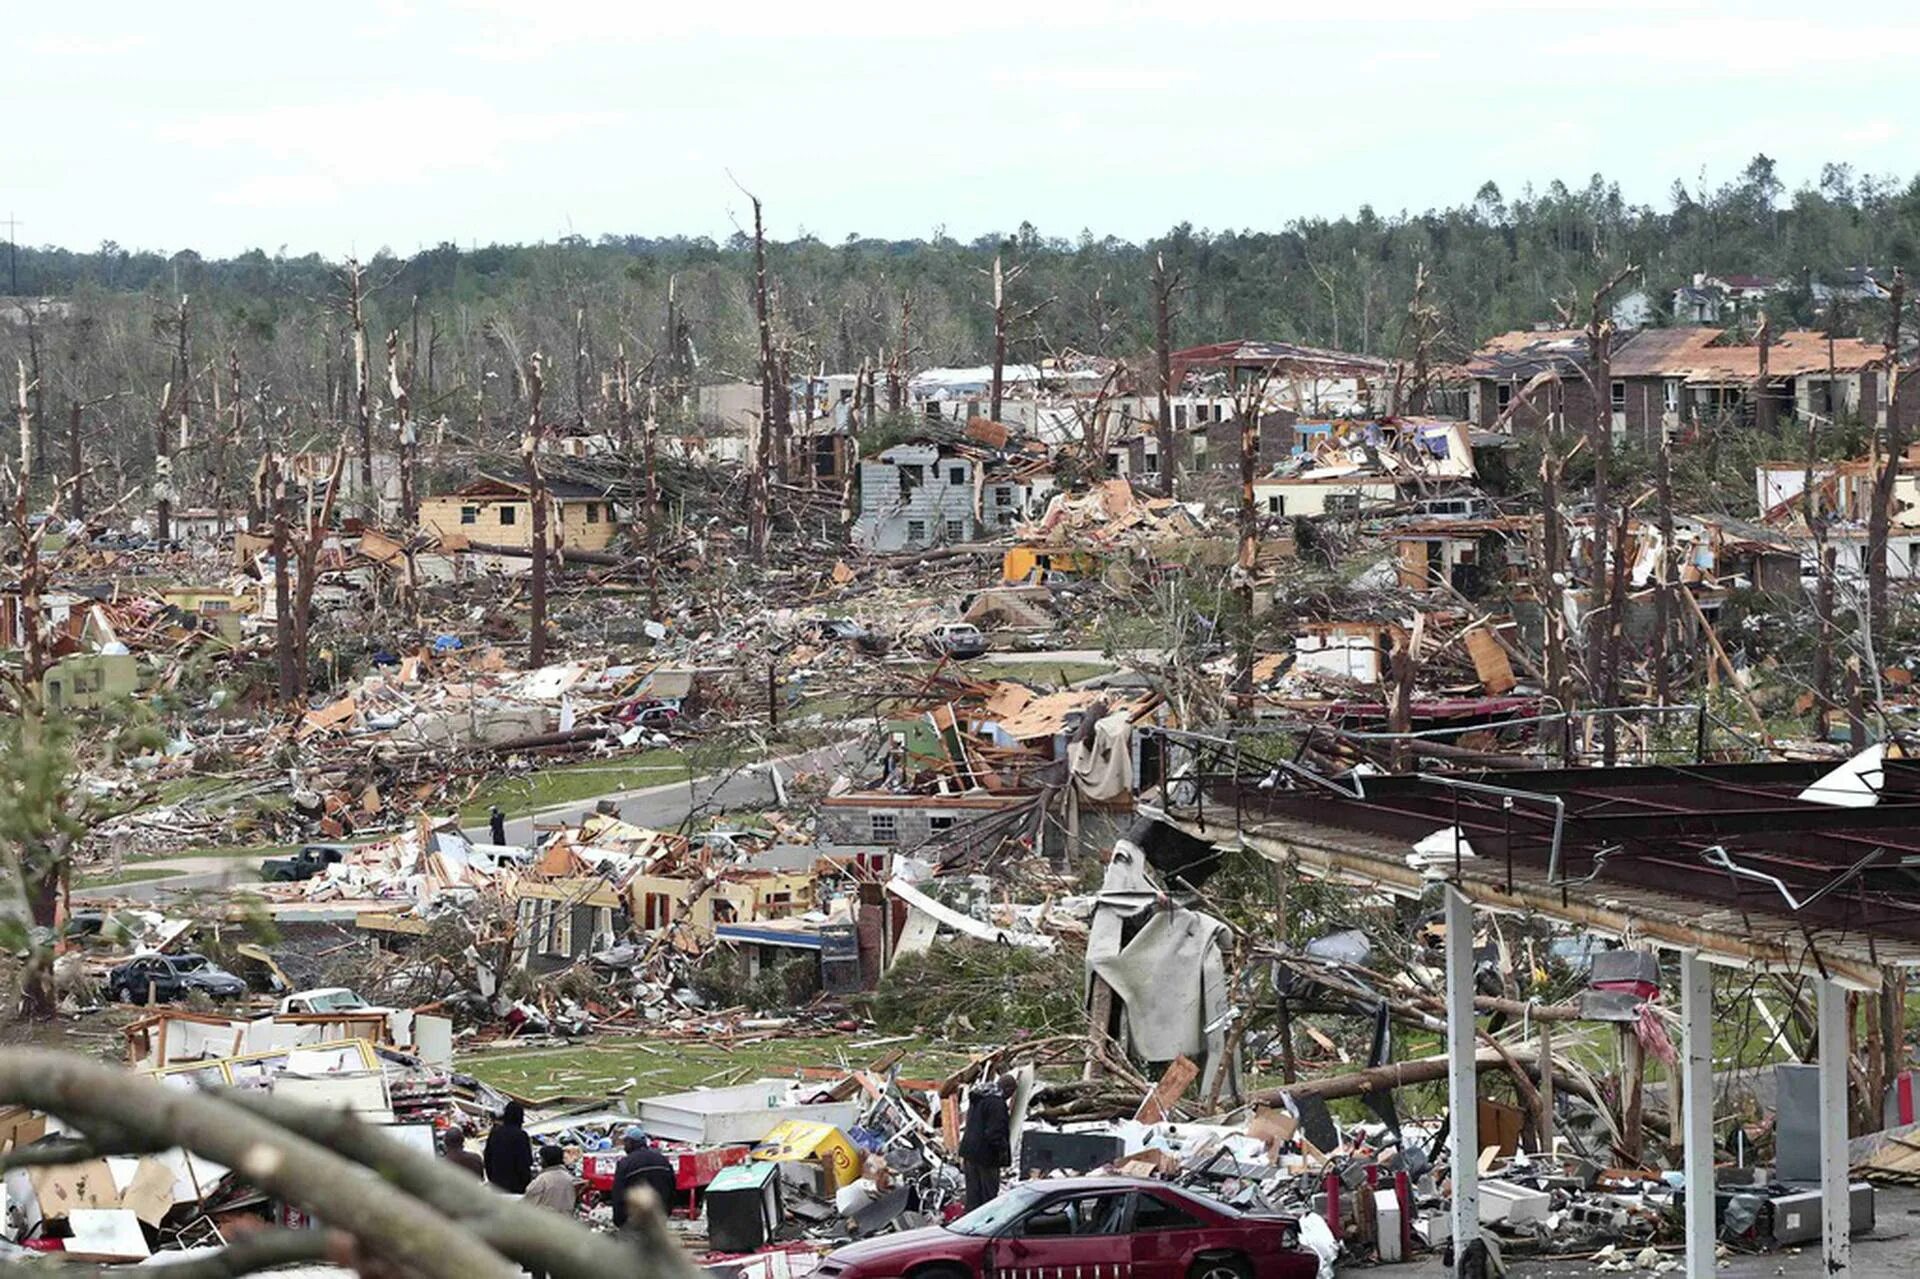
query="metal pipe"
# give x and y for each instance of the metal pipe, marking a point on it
(1558, 805)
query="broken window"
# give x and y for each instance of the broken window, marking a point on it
(916, 530)
(1180, 416)
(509, 515)
(469, 515)
(956, 475)
(823, 458)
(723, 911)
(1003, 496)
(1342, 503)
(956, 529)
(656, 911)
(1503, 396)
(1153, 1213)
(933, 409)
(939, 822)
(593, 512)
(1276, 504)
(883, 828)
(1617, 392)
(1670, 394)
(1151, 463)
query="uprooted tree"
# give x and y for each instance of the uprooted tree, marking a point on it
(414, 1215)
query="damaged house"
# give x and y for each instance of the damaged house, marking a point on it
(493, 511)
(931, 493)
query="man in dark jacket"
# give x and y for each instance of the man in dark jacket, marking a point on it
(459, 1156)
(509, 1152)
(987, 1144)
(641, 1165)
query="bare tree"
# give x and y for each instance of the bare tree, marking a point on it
(172, 421)
(362, 398)
(757, 514)
(536, 486)
(1005, 320)
(1165, 284)
(1880, 518)
(1600, 441)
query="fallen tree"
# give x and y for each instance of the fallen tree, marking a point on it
(415, 1213)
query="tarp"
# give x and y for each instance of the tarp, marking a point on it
(1103, 767)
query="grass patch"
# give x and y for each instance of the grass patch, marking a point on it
(578, 783)
(130, 876)
(261, 851)
(603, 1068)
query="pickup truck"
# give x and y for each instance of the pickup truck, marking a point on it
(305, 864)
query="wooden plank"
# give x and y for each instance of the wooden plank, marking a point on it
(1490, 662)
(1179, 1077)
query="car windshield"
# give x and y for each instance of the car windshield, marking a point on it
(190, 963)
(334, 1000)
(992, 1218)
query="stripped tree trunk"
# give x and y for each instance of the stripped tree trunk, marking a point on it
(1880, 519)
(362, 399)
(537, 497)
(757, 515)
(76, 471)
(1669, 569)
(1163, 286)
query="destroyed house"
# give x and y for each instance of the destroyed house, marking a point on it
(1346, 466)
(492, 511)
(926, 494)
(1664, 379)
(1500, 372)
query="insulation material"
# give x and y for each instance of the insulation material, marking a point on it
(1490, 662)
(1169, 975)
(1103, 767)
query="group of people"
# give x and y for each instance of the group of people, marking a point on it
(507, 1164)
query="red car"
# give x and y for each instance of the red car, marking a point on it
(1086, 1228)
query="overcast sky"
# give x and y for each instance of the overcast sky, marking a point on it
(352, 126)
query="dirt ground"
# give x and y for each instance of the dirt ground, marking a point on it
(1892, 1249)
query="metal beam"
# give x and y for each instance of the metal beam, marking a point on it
(1696, 1022)
(1462, 1071)
(1836, 1212)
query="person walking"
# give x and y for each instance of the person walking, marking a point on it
(497, 825)
(986, 1146)
(509, 1152)
(643, 1164)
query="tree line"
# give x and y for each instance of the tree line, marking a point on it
(468, 319)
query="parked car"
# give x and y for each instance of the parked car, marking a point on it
(305, 864)
(954, 639)
(1087, 1226)
(165, 978)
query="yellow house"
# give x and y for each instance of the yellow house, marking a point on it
(499, 512)
(744, 895)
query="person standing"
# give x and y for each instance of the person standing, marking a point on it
(986, 1146)
(456, 1153)
(509, 1152)
(553, 1189)
(497, 825)
(643, 1164)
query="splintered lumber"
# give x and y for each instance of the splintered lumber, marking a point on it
(1173, 1084)
(1490, 662)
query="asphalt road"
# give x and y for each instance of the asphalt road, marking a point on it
(662, 807)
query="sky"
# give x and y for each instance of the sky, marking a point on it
(350, 127)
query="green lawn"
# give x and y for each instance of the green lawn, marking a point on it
(603, 1068)
(559, 784)
(134, 875)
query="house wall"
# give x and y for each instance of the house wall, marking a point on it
(899, 511)
(1568, 396)
(440, 516)
(1312, 497)
(88, 681)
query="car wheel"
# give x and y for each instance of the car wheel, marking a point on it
(1223, 1267)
